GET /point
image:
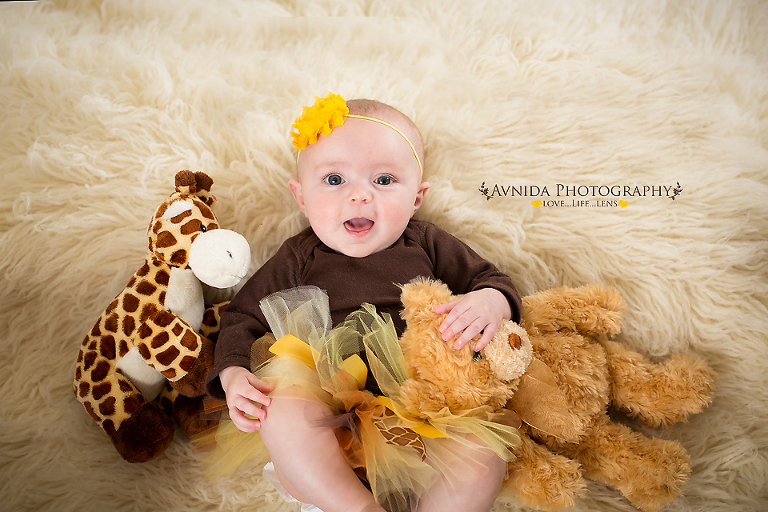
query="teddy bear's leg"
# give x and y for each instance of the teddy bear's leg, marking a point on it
(542, 479)
(662, 394)
(648, 472)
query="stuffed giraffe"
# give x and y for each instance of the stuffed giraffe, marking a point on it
(148, 336)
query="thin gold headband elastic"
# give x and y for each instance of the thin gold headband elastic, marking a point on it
(415, 153)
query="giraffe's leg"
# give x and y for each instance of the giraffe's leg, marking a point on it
(144, 435)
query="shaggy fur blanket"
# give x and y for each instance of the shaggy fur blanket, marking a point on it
(617, 142)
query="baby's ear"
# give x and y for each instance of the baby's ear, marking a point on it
(418, 297)
(295, 188)
(509, 352)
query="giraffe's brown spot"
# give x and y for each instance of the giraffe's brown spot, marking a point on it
(144, 351)
(161, 210)
(101, 390)
(109, 427)
(100, 372)
(180, 217)
(130, 302)
(78, 373)
(177, 329)
(189, 341)
(84, 389)
(80, 354)
(124, 385)
(162, 277)
(187, 362)
(107, 407)
(111, 307)
(161, 298)
(93, 345)
(160, 340)
(129, 324)
(123, 348)
(207, 212)
(170, 373)
(108, 347)
(166, 239)
(144, 270)
(163, 318)
(179, 257)
(145, 331)
(147, 311)
(191, 227)
(110, 323)
(168, 356)
(96, 331)
(131, 282)
(90, 411)
(146, 288)
(89, 359)
(209, 318)
(132, 403)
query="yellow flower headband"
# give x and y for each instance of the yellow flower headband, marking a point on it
(325, 115)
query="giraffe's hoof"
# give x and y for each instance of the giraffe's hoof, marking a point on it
(190, 415)
(145, 435)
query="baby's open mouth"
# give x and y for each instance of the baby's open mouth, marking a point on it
(358, 226)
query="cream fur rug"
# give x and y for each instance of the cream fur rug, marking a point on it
(102, 102)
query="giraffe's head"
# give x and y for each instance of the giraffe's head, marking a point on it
(184, 233)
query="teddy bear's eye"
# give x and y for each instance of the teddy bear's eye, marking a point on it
(476, 356)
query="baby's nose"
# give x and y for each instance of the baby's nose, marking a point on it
(360, 195)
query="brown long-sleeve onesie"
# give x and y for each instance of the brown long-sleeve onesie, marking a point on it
(423, 250)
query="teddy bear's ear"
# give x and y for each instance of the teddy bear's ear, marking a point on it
(419, 295)
(509, 352)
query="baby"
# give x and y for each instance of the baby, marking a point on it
(359, 182)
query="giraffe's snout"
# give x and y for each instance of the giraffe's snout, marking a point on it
(220, 258)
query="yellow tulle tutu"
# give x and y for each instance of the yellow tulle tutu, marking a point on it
(399, 456)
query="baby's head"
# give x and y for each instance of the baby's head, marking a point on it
(359, 173)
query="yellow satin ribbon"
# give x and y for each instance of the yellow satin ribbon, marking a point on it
(291, 346)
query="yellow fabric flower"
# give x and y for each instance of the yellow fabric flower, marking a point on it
(319, 119)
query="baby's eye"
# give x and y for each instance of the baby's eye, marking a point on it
(384, 180)
(333, 179)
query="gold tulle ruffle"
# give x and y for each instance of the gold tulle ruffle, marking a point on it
(400, 456)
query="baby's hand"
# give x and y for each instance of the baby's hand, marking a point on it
(243, 389)
(478, 311)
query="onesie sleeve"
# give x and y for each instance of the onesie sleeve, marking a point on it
(243, 322)
(463, 270)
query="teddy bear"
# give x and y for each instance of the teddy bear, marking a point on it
(145, 360)
(559, 372)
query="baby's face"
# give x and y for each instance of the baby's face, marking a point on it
(359, 186)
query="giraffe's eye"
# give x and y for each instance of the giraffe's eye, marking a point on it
(203, 229)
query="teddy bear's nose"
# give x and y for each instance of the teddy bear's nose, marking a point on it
(515, 341)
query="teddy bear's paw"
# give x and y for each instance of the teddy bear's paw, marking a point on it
(593, 310)
(542, 479)
(144, 435)
(662, 394)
